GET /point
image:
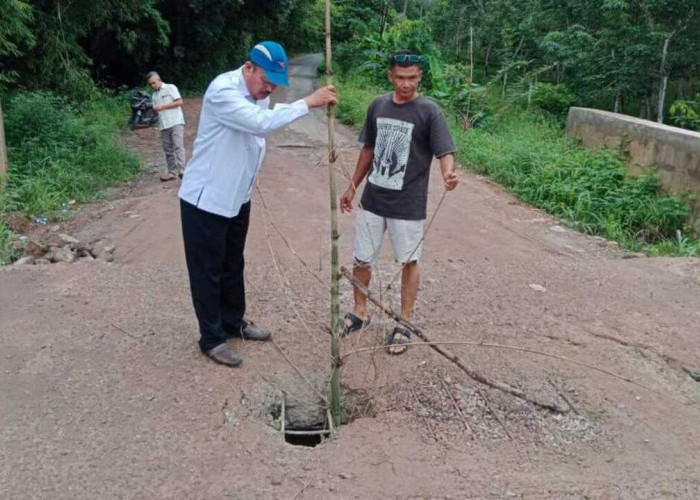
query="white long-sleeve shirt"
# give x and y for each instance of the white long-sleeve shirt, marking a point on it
(230, 144)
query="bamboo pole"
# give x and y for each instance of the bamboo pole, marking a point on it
(471, 73)
(335, 235)
(3, 153)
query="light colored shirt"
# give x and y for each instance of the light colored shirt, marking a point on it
(168, 117)
(230, 144)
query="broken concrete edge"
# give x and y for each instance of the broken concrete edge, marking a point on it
(65, 249)
(299, 432)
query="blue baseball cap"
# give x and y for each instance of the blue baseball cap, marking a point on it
(270, 56)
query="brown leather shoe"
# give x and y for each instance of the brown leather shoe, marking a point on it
(167, 176)
(223, 354)
(249, 331)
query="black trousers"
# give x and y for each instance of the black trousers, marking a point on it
(214, 253)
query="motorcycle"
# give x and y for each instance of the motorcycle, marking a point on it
(142, 113)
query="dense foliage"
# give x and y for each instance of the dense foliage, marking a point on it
(623, 55)
(631, 56)
(60, 153)
(69, 46)
(505, 71)
(635, 56)
(507, 113)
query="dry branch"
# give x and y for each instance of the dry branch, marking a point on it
(271, 222)
(425, 419)
(444, 352)
(494, 384)
(302, 489)
(457, 408)
(125, 332)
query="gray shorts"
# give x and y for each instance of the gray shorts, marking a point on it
(405, 236)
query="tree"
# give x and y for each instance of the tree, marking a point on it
(625, 55)
(61, 58)
(668, 21)
(3, 152)
(15, 17)
(15, 33)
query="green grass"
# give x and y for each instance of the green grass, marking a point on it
(591, 191)
(60, 152)
(7, 244)
(356, 97)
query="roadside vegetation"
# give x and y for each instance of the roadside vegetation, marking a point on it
(515, 136)
(60, 66)
(60, 153)
(506, 72)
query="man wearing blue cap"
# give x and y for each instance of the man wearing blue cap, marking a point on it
(217, 186)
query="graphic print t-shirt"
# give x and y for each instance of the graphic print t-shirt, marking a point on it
(405, 139)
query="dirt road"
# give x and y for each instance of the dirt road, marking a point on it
(103, 393)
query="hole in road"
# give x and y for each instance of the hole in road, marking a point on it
(309, 440)
(302, 416)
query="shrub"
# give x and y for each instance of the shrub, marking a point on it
(592, 190)
(58, 152)
(369, 55)
(685, 114)
(553, 98)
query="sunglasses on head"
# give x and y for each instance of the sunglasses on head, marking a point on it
(406, 59)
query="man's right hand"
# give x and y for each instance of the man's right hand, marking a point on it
(346, 200)
(321, 97)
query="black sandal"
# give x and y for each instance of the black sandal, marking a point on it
(398, 341)
(352, 323)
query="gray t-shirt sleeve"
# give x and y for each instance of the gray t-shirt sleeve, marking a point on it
(368, 136)
(441, 142)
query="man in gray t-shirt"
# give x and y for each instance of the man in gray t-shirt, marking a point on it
(403, 131)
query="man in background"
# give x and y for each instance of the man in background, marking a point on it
(167, 102)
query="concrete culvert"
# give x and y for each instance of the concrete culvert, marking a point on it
(305, 411)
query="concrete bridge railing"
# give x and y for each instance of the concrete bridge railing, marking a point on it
(674, 151)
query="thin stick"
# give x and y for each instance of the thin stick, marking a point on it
(495, 414)
(447, 354)
(293, 146)
(124, 331)
(283, 279)
(420, 242)
(454, 402)
(444, 352)
(563, 396)
(425, 419)
(283, 415)
(302, 489)
(284, 238)
(319, 432)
